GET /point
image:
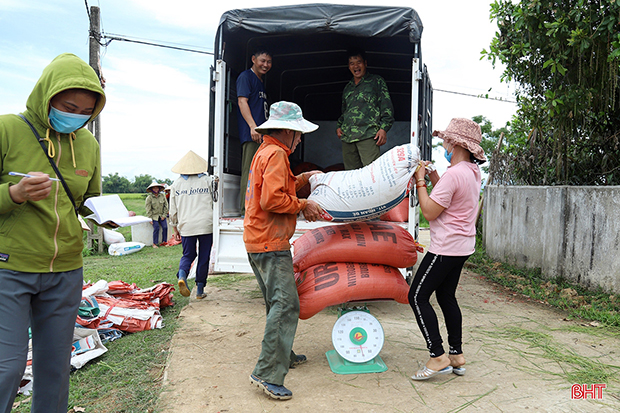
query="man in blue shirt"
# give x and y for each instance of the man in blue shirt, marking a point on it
(253, 111)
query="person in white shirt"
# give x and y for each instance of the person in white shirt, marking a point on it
(191, 216)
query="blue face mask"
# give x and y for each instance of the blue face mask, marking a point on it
(65, 122)
(448, 155)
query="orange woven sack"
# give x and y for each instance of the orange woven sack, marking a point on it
(374, 242)
(400, 213)
(335, 283)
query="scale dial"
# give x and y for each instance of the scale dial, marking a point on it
(357, 336)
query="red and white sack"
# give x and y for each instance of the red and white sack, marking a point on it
(367, 192)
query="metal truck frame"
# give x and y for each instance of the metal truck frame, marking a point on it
(309, 46)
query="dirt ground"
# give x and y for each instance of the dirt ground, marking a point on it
(507, 343)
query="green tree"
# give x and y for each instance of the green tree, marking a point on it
(141, 182)
(565, 57)
(115, 184)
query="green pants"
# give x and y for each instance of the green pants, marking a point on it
(249, 149)
(276, 279)
(359, 154)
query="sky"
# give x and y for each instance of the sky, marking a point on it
(158, 98)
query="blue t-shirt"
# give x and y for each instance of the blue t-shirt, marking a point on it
(251, 87)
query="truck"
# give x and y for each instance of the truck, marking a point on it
(309, 45)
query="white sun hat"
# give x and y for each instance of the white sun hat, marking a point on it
(286, 115)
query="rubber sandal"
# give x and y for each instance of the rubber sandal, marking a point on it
(299, 359)
(272, 390)
(459, 371)
(185, 292)
(425, 373)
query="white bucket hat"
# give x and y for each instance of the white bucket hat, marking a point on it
(286, 115)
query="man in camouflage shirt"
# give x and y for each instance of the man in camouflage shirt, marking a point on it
(367, 115)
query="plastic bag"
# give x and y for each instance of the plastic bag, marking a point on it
(111, 236)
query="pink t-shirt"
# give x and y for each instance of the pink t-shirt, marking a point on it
(453, 232)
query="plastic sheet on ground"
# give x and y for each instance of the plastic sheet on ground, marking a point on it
(126, 307)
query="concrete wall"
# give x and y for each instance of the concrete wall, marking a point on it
(567, 231)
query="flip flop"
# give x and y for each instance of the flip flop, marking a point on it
(425, 373)
(272, 390)
(459, 371)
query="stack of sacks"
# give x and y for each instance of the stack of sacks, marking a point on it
(357, 261)
(125, 307)
(368, 192)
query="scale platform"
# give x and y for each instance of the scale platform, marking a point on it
(342, 366)
(358, 338)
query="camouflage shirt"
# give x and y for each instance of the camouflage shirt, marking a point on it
(366, 108)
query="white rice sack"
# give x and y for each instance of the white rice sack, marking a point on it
(368, 192)
(124, 248)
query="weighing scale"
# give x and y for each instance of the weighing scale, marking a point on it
(358, 338)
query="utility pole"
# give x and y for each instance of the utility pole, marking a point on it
(94, 47)
(95, 234)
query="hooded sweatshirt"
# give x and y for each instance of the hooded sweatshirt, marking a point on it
(46, 236)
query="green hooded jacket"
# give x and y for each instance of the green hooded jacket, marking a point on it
(46, 236)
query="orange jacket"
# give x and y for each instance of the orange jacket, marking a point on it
(271, 204)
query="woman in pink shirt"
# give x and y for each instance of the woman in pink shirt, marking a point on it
(451, 210)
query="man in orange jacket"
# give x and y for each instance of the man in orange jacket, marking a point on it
(271, 209)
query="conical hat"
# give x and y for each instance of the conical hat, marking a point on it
(154, 184)
(190, 164)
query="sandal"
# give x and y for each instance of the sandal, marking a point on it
(299, 359)
(426, 373)
(459, 371)
(272, 390)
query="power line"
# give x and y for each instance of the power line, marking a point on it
(111, 37)
(476, 96)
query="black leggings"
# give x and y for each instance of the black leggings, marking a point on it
(439, 274)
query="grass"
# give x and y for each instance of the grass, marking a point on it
(575, 368)
(596, 306)
(423, 222)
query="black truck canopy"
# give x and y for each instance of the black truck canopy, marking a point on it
(309, 45)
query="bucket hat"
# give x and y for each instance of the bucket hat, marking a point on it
(190, 164)
(286, 115)
(465, 133)
(154, 184)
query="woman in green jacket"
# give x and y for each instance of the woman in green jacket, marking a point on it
(40, 233)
